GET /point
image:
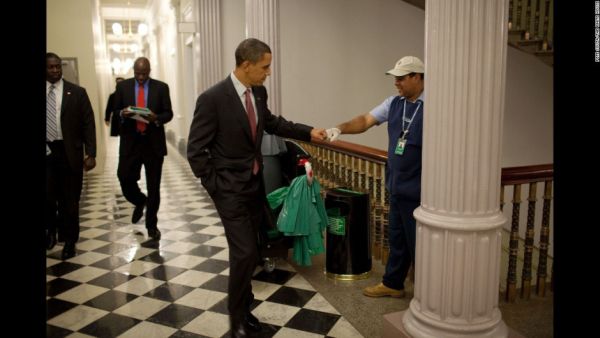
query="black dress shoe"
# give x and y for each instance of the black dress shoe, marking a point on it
(50, 240)
(239, 332)
(138, 212)
(154, 233)
(252, 323)
(68, 251)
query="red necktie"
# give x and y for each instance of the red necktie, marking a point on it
(252, 119)
(141, 102)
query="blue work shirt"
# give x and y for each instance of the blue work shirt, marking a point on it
(403, 172)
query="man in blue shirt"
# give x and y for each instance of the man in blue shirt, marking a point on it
(404, 114)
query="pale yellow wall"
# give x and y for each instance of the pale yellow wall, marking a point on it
(69, 34)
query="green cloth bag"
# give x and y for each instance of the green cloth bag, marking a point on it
(303, 216)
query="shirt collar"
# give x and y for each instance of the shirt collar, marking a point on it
(57, 85)
(420, 98)
(238, 85)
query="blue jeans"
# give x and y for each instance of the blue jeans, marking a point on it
(402, 241)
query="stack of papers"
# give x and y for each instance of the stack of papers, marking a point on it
(138, 113)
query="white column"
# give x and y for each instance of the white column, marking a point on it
(262, 22)
(207, 44)
(459, 221)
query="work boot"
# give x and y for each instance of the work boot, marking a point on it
(381, 290)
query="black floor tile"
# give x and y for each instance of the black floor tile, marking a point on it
(313, 321)
(58, 286)
(212, 265)
(217, 283)
(220, 307)
(291, 296)
(199, 238)
(110, 263)
(62, 268)
(110, 325)
(111, 236)
(164, 272)
(185, 217)
(175, 315)
(55, 307)
(186, 334)
(113, 248)
(169, 292)
(159, 256)
(191, 227)
(277, 276)
(111, 280)
(56, 332)
(205, 251)
(111, 300)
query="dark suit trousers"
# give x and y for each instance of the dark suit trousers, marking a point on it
(241, 214)
(63, 190)
(129, 171)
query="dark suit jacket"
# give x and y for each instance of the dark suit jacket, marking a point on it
(220, 140)
(159, 102)
(77, 125)
(110, 117)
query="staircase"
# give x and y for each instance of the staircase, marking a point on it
(530, 26)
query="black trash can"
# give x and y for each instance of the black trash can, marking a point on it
(348, 244)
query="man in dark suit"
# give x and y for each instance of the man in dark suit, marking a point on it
(224, 152)
(70, 132)
(143, 142)
(111, 119)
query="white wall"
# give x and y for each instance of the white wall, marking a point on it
(334, 55)
(528, 116)
(233, 30)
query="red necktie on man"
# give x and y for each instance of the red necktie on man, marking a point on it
(141, 102)
(252, 119)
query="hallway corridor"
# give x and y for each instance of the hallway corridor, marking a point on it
(121, 284)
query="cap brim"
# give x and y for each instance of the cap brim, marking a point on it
(397, 72)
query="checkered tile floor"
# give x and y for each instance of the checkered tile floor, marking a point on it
(121, 284)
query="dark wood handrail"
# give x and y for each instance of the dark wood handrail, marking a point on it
(357, 150)
(527, 174)
(510, 175)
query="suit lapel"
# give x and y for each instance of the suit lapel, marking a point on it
(237, 108)
(66, 96)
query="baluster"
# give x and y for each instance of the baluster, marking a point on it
(375, 213)
(544, 239)
(379, 195)
(384, 228)
(529, 234)
(513, 246)
(349, 171)
(355, 176)
(331, 167)
(502, 198)
(527, 21)
(363, 176)
(519, 15)
(536, 21)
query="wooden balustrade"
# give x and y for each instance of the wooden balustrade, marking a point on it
(361, 168)
(516, 177)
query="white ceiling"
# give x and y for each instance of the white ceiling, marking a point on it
(133, 3)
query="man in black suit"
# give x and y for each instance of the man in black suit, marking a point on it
(143, 142)
(70, 132)
(111, 119)
(224, 152)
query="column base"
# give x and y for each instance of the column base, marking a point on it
(393, 327)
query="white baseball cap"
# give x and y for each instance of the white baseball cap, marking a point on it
(407, 65)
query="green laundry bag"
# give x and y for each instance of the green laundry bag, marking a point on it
(303, 216)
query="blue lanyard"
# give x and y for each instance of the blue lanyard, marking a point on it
(405, 130)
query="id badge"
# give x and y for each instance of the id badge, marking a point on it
(400, 146)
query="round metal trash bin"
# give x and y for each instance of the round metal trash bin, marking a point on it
(348, 244)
